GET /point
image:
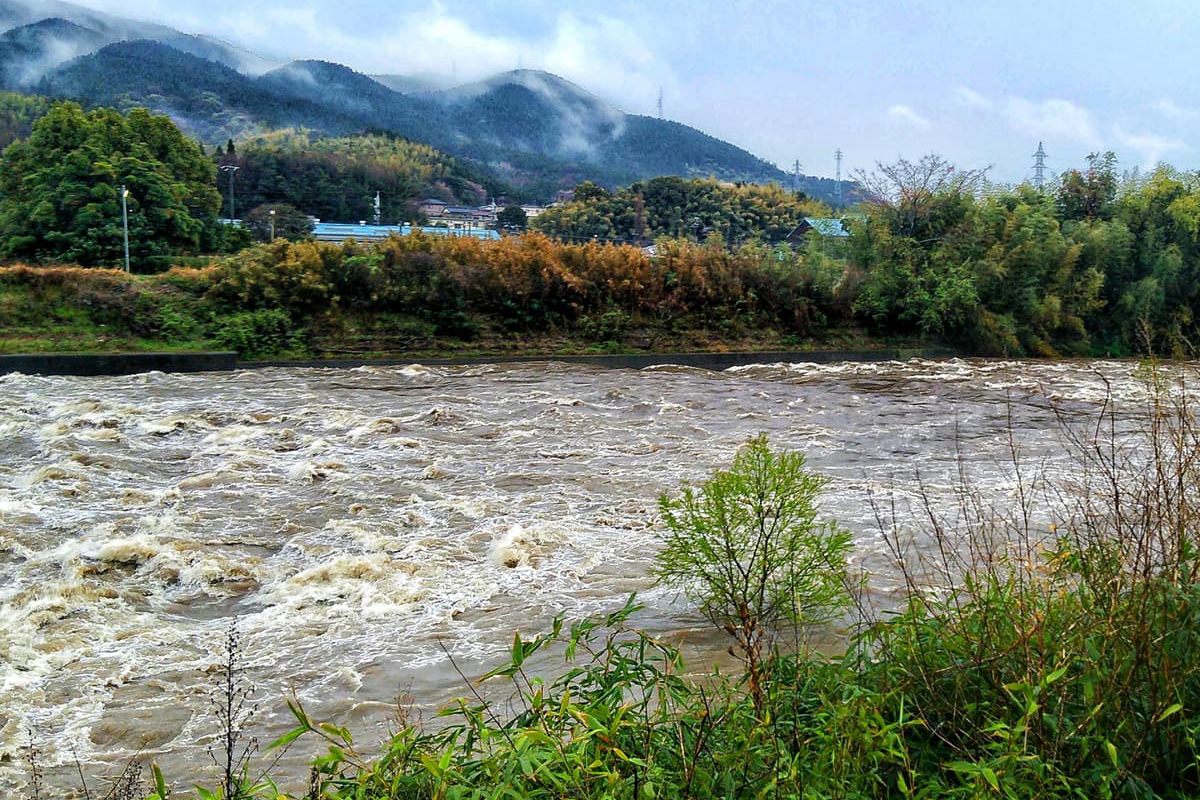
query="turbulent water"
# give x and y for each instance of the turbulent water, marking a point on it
(357, 522)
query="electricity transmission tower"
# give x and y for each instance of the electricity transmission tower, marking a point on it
(837, 187)
(660, 113)
(796, 176)
(1039, 167)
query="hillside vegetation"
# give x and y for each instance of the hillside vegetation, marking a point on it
(336, 178)
(430, 294)
(1089, 266)
(675, 207)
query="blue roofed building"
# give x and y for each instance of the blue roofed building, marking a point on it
(342, 231)
(831, 226)
(826, 229)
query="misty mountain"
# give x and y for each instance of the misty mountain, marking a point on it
(536, 129)
(354, 95)
(28, 52)
(207, 99)
(108, 28)
(532, 113)
(421, 82)
(530, 128)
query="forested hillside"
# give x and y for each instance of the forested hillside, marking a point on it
(1090, 265)
(336, 178)
(18, 112)
(208, 100)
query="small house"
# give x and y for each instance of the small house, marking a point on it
(826, 228)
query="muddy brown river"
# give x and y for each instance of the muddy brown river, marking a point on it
(357, 521)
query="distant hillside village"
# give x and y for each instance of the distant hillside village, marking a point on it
(442, 219)
(438, 217)
(444, 215)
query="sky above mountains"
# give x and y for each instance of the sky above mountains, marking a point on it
(979, 83)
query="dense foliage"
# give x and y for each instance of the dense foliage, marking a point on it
(1088, 266)
(1091, 265)
(61, 189)
(409, 289)
(277, 221)
(18, 112)
(678, 207)
(336, 178)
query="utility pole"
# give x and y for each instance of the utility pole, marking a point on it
(837, 187)
(230, 168)
(271, 213)
(125, 222)
(1039, 167)
(639, 219)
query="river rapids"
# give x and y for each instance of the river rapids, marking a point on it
(360, 523)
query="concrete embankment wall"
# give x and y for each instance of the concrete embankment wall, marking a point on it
(116, 363)
(131, 363)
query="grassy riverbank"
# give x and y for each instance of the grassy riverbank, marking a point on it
(434, 297)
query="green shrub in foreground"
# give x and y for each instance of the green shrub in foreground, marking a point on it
(748, 549)
(264, 332)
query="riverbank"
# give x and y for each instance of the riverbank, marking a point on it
(66, 320)
(412, 301)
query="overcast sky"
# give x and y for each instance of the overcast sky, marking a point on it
(978, 82)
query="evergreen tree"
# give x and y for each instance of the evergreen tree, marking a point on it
(60, 189)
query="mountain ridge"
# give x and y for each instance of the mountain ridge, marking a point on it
(537, 130)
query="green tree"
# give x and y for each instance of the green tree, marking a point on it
(1089, 194)
(61, 188)
(748, 549)
(512, 218)
(289, 222)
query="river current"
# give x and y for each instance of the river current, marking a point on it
(360, 522)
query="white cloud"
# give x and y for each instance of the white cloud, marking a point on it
(908, 116)
(1150, 147)
(973, 99)
(608, 56)
(1169, 109)
(1056, 119)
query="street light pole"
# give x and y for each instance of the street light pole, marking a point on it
(125, 222)
(231, 168)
